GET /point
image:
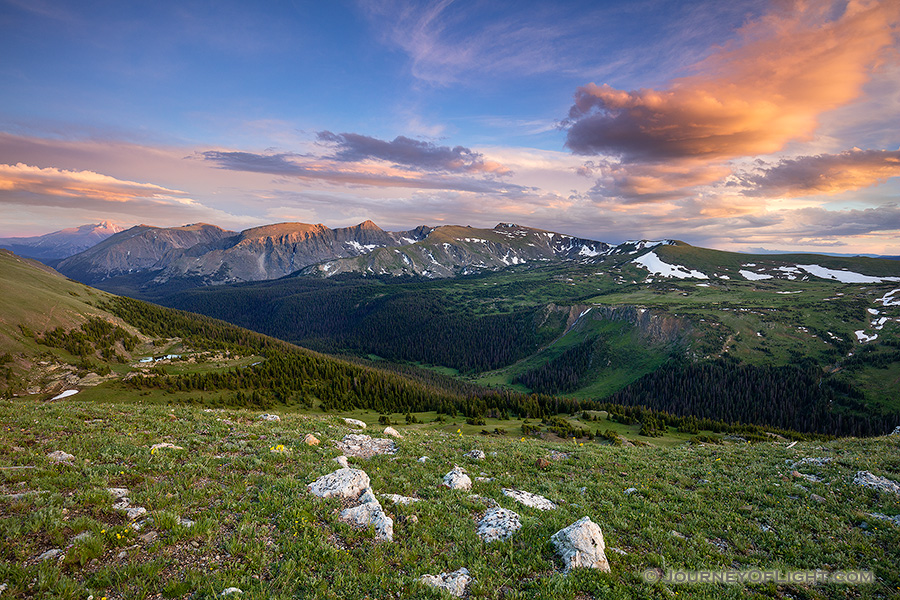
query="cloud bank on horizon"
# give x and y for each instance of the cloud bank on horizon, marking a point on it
(754, 124)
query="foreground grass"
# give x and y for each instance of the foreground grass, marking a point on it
(732, 506)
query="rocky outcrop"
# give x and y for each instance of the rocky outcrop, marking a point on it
(580, 545)
(875, 482)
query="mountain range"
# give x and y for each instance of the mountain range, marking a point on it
(60, 244)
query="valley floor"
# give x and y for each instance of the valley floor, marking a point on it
(228, 507)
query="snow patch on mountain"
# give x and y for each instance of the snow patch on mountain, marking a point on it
(844, 276)
(751, 276)
(656, 266)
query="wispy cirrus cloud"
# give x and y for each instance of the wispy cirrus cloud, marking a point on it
(414, 154)
(823, 173)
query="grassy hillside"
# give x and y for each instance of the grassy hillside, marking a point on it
(230, 509)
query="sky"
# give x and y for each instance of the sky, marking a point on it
(740, 125)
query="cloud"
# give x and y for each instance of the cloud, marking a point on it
(340, 171)
(751, 97)
(824, 173)
(416, 154)
(53, 182)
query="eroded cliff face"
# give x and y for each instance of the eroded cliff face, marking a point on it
(655, 327)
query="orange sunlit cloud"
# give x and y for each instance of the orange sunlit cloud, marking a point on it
(78, 184)
(749, 98)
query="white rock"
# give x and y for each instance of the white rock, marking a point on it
(475, 454)
(630, 491)
(872, 481)
(185, 522)
(581, 545)
(343, 483)
(498, 524)
(49, 555)
(455, 583)
(118, 492)
(342, 461)
(268, 417)
(135, 512)
(81, 537)
(60, 456)
(896, 430)
(369, 512)
(163, 445)
(363, 446)
(355, 423)
(122, 504)
(232, 590)
(398, 499)
(392, 432)
(457, 479)
(529, 499)
(422, 459)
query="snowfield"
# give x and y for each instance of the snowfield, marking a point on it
(844, 276)
(751, 276)
(656, 266)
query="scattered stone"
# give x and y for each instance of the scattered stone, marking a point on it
(60, 456)
(49, 555)
(618, 551)
(81, 537)
(896, 430)
(422, 459)
(311, 440)
(792, 444)
(475, 454)
(817, 498)
(163, 445)
(149, 537)
(122, 504)
(457, 479)
(810, 478)
(363, 446)
(232, 590)
(581, 545)
(392, 432)
(883, 484)
(720, 544)
(397, 499)
(118, 492)
(355, 423)
(529, 499)
(342, 461)
(630, 491)
(122, 554)
(454, 583)
(268, 417)
(135, 512)
(484, 479)
(343, 483)
(895, 520)
(542, 463)
(185, 522)
(498, 524)
(816, 462)
(370, 513)
(557, 455)
(677, 534)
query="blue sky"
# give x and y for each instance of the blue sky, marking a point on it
(733, 125)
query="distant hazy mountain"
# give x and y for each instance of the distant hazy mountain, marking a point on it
(61, 244)
(139, 248)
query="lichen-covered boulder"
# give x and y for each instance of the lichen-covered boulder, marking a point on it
(454, 583)
(343, 483)
(498, 524)
(369, 512)
(580, 545)
(457, 479)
